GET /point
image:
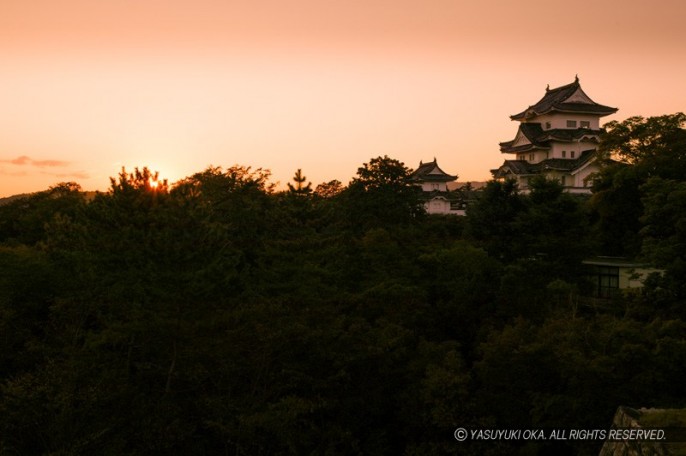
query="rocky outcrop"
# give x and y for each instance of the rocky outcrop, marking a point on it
(628, 418)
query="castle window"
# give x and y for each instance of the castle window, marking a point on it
(571, 124)
(563, 180)
(547, 125)
(531, 157)
(585, 124)
(608, 281)
(564, 154)
(571, 153)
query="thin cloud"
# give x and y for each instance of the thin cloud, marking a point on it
(22, 167)
(24, 160)
(49, 163)
(77, 175)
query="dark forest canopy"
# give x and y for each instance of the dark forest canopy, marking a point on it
(220, 316)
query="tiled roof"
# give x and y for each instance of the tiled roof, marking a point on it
(522, 167)
(563, 134)
(431, 172)
(556, 100)
(616, 262)
(531, 131)
(523, 148)
(540, 139)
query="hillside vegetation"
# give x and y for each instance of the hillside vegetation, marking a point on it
(219, 316)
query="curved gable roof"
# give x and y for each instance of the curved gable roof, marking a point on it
(568, 98)
(521, 167)
(431, 172)
(537, 138)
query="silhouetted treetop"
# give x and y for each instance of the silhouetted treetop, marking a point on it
(300, 188)
(657, 145)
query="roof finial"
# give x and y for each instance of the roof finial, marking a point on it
(576, 78)
(547, 88)
(434, 159)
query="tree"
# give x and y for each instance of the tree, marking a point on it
(664, 234)
(664, 220)
(552, 217)
(632, 152)
(23, 220)
(383, 193)
(616, 208)
(148, 276)
(299, 188)
(490, 221)
(383, 172)
(139, 180)
(328, 189)
(27, 289)
(238, 199)
(656, 145)
(458, 281)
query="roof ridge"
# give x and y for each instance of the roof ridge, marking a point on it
(566, 86)
(556, 100)
(423, 171)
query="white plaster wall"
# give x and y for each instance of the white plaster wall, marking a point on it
(573, 180)
(579, 191)
(577, 147)
(583, 174)
(520, 139)
(537, 156)
(579, 97)
(559, 120)
(431, 186)
(523, 183)
(634, 277)
(557, 175)
(437, 206)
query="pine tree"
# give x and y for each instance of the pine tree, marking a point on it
(300, 188)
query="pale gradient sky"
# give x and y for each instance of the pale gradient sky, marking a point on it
(89, 86)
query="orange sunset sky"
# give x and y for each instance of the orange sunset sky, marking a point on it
(89, 86)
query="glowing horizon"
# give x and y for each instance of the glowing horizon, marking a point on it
(89, 87)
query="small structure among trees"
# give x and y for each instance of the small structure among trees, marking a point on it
(557, 138)
(435, 194)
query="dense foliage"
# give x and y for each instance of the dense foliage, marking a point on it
(219, 316)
